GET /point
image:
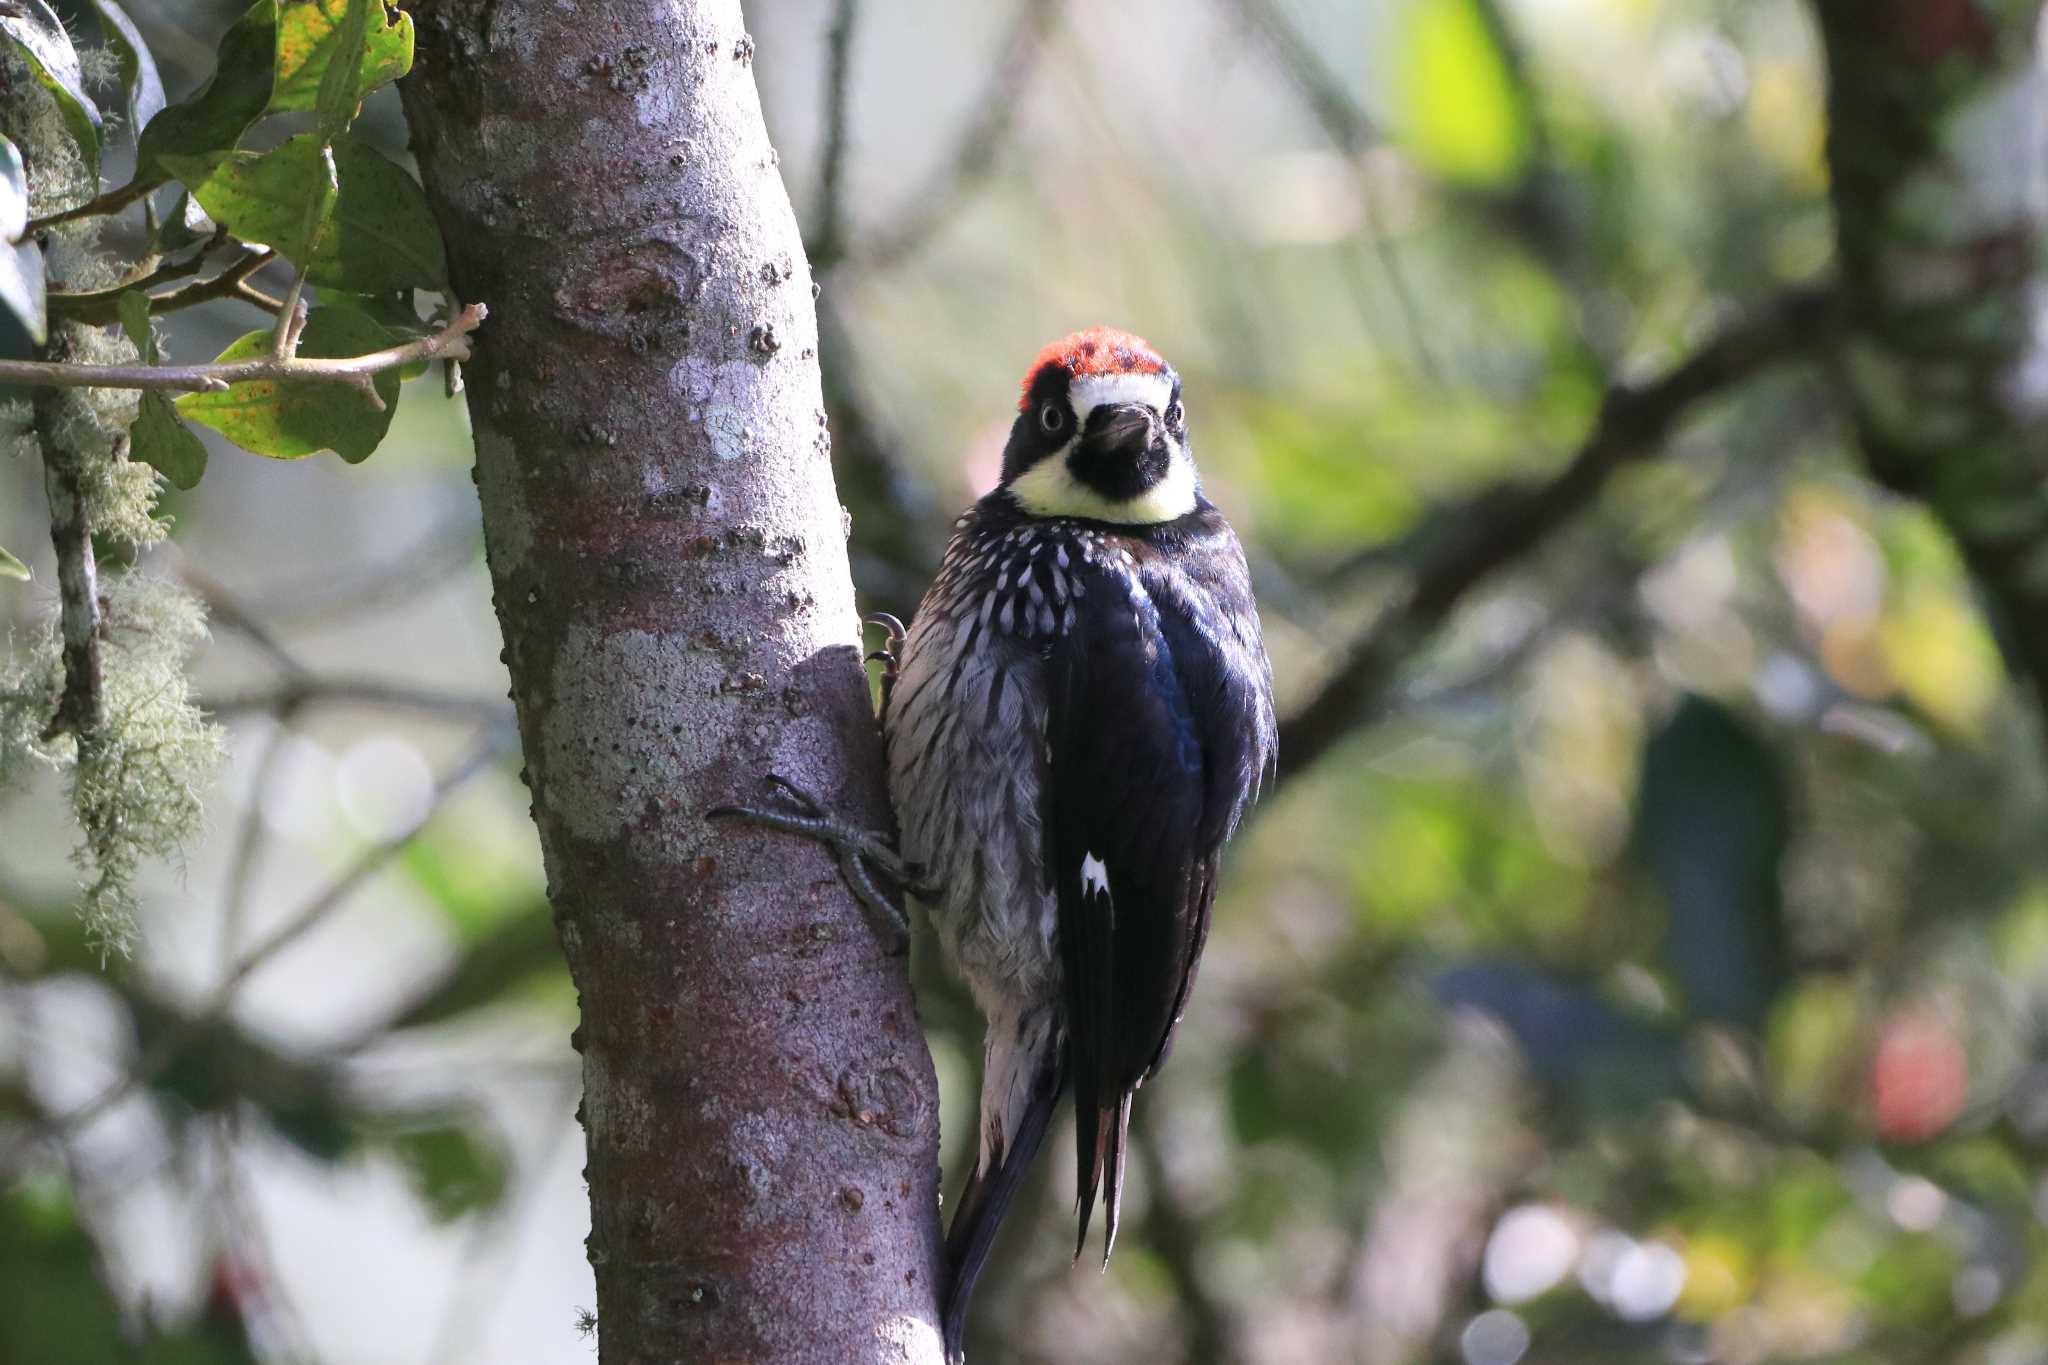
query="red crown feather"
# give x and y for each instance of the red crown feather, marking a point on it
(1098, 350)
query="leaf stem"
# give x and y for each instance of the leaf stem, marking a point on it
(450, 343)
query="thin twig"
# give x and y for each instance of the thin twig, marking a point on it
(314, 690)
(175, 1039)
(1491, 531)
(101, 307)
(451, 342)
(973, 159)
(224, 608)
(1354, 133)
(98, 305)
(113, 201)
(829, 239)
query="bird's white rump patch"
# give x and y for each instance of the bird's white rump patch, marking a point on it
(1094, 876)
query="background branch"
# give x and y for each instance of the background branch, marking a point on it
(1463, 546)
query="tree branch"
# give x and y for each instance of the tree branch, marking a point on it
(450, 343)
(113, 201)
(1933, 131)
(318, 690)
(80, 707)
(1464, 545)
(101, 307)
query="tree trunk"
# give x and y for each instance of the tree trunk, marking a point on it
(669, 565)
(1935, 155)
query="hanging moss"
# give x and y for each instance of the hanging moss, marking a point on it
(136, 782)
(136, 775)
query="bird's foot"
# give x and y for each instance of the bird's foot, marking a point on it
(857, 849)
(891, 652)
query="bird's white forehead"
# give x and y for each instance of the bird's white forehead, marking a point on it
(1091, 391)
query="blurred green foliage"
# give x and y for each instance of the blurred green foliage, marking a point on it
(1662, 975)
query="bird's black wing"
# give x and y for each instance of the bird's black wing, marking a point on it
(1123, 825)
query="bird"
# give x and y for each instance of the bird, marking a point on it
(1079, 717)
(1076, 721)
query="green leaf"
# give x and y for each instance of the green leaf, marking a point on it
(310, 34)
(1713, 820)
(10, 567)
(208, 124)
(319, 209)
(133, 310)
(454, 1170)
(159, 439)
(287, 419)
(40, 35)
(338, 101)
(138, 69)
(185, 225)
(1456, 105)
(381, 237)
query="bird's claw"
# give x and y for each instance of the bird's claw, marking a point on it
(893, 635)
(855, 848)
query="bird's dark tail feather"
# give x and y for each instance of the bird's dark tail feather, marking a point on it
(983, 1202)
(1100, 1162)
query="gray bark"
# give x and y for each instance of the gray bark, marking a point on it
(669, 564)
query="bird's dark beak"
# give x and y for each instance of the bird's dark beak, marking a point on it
(1127, 429)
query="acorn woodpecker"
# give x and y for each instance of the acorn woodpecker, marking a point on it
(1076, 720)
(1080, 714)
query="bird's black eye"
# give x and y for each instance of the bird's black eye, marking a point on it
(1052, 419)
(1174, 414)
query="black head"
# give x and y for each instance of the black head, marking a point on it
(1101, 434)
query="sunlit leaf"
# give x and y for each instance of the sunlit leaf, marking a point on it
(40, 35)
(310, 32)
(1457, 109)
(1713, 820)
(139, 78)
(289, 419)
(208, 124)
(10, 567)
(380, 238)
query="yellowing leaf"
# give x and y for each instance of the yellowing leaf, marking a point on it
(1943, 658)
(287, 420)
(1456, 110)
(311, 32)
